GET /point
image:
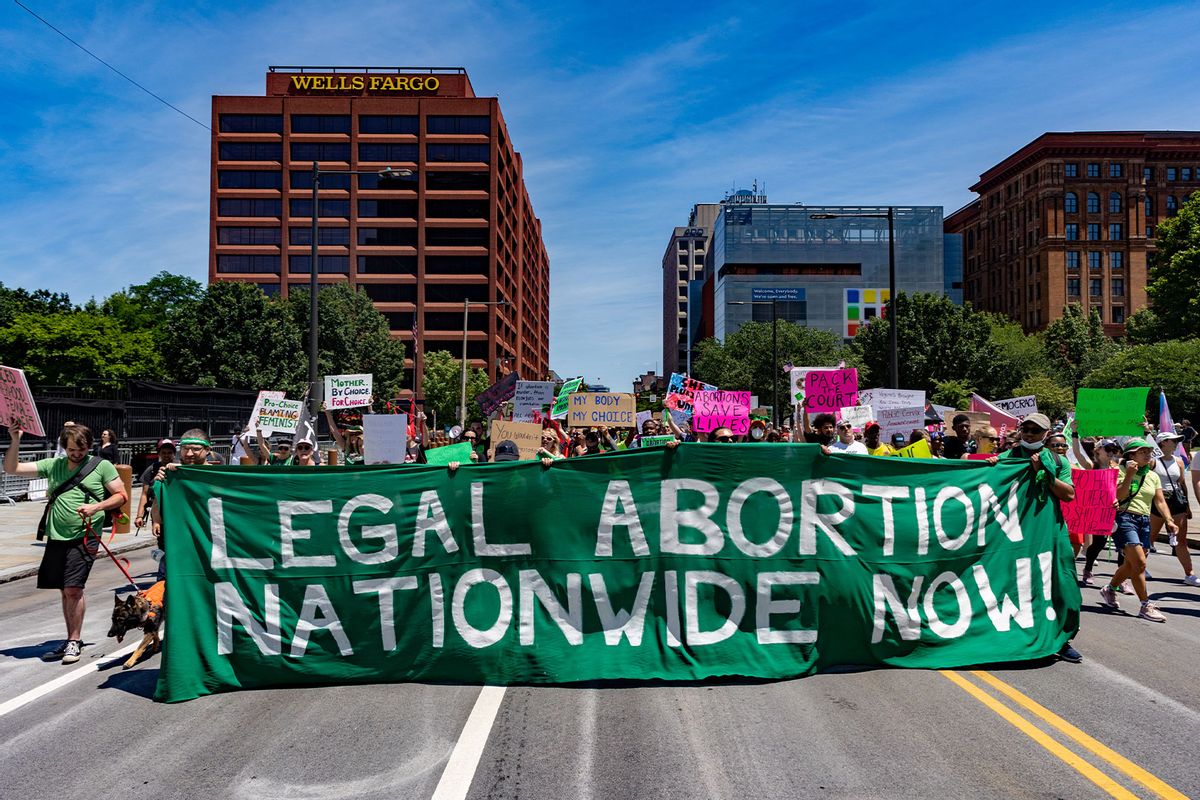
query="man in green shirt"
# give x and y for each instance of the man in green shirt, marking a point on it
(70, 550)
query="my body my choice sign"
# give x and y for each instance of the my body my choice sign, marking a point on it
(709, 560)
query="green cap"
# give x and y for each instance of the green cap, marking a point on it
(1137, 444)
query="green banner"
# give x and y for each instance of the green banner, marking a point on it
(1111, 412)
(759, 560)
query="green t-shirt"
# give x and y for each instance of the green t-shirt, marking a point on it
(1059, 468)
(1147, 485)
(64, 524)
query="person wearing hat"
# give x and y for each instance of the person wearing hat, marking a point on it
(845, 442)
(349, 440)
(166, 455)
(1172, 474)
(506, 451)
(871, 434)
(1139, 491)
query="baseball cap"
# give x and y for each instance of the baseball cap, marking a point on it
(165, 443)
(871, 425)
(507, 451)
(898, 438)
(1041, 420)
(1167, 436)
(1136, 444)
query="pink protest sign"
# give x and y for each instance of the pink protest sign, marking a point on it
(719, 409)
(16, 402)
(830, 390)
(1092, 511)
(1001, 420)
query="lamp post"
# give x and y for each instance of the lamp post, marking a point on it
(774, 304)
(890, 216)
(462, 400)
(317, 172)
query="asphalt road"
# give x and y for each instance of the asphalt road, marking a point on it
(1128, 717)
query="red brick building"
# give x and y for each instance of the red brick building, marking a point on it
(459, 228)
(1070, 218)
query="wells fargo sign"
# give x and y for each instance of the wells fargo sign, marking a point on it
(364, 83)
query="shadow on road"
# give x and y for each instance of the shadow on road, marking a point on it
(32, 650)
(136, 681)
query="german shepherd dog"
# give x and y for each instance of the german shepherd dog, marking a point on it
(143, 610)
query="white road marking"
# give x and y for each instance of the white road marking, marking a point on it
(62, 680)
(464, 759)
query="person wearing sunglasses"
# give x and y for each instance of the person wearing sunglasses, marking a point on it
(304, 455)
(722, 435)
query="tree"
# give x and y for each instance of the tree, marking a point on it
(956, 394)
(352, 337)
(235, 337)
(1019, 354)
(1053, 399)
(1172, 366)
(70, 348)
(442, 384)
(1145, 327)
(1174, 280)
(151, 304)
(1075, 344)
(20, 301)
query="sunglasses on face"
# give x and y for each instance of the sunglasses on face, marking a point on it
(1063, 445)
(300, 447)
(724, 438)
(1030, 429)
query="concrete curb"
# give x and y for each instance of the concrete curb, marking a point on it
(28, 570)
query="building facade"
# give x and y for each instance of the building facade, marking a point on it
(1070, 218)
(448, 222)
(682, 267)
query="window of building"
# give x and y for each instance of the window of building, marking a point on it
(1114, 170)
(388, 152)
(457, 209)
(1072, 232)
(456, 237)
(1149, 206)
(1116, 231)
(1147, 174)
(320, 123)
(1073, 287)
(1093, 170)
(1093, 231)
(455, 292)
(1114, 203)
(459, 125)
(1185, 173)
(1149, 231)
(333, 264)
(1116, 261)
(388, 237)
(251, 123)
(394, 293)
(250, 151)
(330, 236)
(248, 179)
(1171, 172)
(1093, 203)
(388, 209)
(320, 151)
(269, 289)
(302, 179)
(373, 180)
(1096, 287)
(458, 152)
(229, 264)
(683, 260)
(1172, 204)
(389, 123)
(1071, 203)
(298, 207)
(248, 207)
(457, 181)
(1118, 287)
(229, 235)
(1094, 260)
(1071, 170)
(387, 265)
(456, 265)
(1118, 315)
(1073, 259)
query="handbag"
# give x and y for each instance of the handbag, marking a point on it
(1177, 498)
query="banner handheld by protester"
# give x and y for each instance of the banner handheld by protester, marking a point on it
(273, 414)
(562, 403)
(1093, 511)
(441, 456)
(385, 438)
(681, 392)
(16, 402)
(830, 390)
(530, 399)
(490, 399)
(348, 391)
(705, 561)
(1111, 412)
(614, 409)
(720, 409)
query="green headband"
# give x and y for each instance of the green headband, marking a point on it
(193, 440)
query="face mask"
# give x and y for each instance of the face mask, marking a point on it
(1035, 446)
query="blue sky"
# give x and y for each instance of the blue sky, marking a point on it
(625, 114)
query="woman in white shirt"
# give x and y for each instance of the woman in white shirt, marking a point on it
(1173, 473)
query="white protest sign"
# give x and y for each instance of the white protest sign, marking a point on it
(1018, 406)
(530, 398)
(797, 375)
(879, 399)
(900, 420)
(273, 414)
(385, 438)
(642, 416)
(857, 416)
(16, 402)
(347, 391)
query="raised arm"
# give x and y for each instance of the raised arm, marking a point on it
(1080, 454)
(264, 452)
(12, 458)
(333, 430)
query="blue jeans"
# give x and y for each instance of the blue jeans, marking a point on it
(1132, 529)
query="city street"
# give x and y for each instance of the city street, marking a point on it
(91, 729)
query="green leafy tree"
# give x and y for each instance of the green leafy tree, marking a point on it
(1053, 399)
(442, 384)
(956, 394)
(151, 304)
(71, 348)
(20, 301)
(236, 338)
(1172, 366)
(1019, 354)
(352, 337)
(1075, 344)
(1174, 280)
(1145, 327)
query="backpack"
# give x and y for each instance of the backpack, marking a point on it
(66, 486)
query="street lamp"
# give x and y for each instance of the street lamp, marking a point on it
(386, 172)
(890, 216)
(774, 350)
(462, 405)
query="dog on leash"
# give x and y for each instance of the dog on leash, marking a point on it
(143, 610)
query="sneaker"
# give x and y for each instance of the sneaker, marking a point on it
(1153, 549)
(1087, 579)
(1070, 654)
(1192, 580)
(1148, 612)
(1126, 587)
(1108, 597)
(55, 655)
(75, 649)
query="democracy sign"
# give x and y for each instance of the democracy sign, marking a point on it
(1018, 406)
(829, 390)
(1093, 510)
(712, 560)
(491, 398)
(614, 409)
(527, 436)
(562, 402)
(681, 390)
(385, 438)
(713, 409)
(16, 402)
(273, 414)
(347, 391)
(1111, 412)
(530, 399)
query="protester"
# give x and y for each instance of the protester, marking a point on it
(61, 451)
(80, 489)
(985, 442)
(551, 448)
(959, 444)
(349, 440)
(194, 449)
(1139, 490)
(166, 455)
(724, 435)
(846, 442)
(875, 447)
(1172, 474)
(1189, 436)
(304, 454)
(1105, 455)
(108, 446)
(239, 446)
(822, 429)
(506, 451)
(898, 442)
(281, 455)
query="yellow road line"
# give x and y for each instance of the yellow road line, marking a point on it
(1151, 782)
(1026, 727)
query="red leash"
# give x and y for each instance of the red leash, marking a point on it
(87, 524)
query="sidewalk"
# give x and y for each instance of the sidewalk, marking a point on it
(21, 552)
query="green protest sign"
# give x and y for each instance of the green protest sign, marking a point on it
(1111, 412)
(656, 441)
(441, 456)
(562, 401)
(768, 561)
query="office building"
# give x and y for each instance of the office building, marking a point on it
(683, 267)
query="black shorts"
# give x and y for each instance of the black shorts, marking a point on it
(66, 564)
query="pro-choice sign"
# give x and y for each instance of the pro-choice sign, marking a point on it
(710, 560)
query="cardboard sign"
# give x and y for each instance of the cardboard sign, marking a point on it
(441, 456)
(719, 409)
(347, 391)
(681, 390)
(531, 399)
(857, 416)
(562, 402)
(1018, 406)
(527, 436)
(491, 398)
(899, 420)
(892, 398)
(614, 409)
(1111, 412)
(829, 390)
(979, 420)
(1092, 511)
(918, 449)
(385, 438)
(16, 402)
(797, 376)
(656, 441)
(275, 414)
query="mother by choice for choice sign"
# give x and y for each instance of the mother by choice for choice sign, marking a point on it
(708, 560)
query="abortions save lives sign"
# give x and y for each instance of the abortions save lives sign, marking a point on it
(708, 560)
(347, 391)
(721, 409)
(16, 402)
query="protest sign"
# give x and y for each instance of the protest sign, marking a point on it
(656, 441)
(681, 390)
(998, 418)
(828, 390)
(442, 456)
(945, 412)
(1092, 511)
(531, 399)
(643, 417)
(385, 438)
(1018, 406)
(981, 456)
(979, 420)
(681, 418)
(491, 398)
(892, 398)
(797, 375)
(720, 409)
(918, 449)
(857, 416)
(614, 409)
(899, 420)
(527, 436)
(347, 391)
(562, 402)
(273, 414)
(16, 402)
(605, 569)
(1111, 412)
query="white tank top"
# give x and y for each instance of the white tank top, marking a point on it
(1169, 474)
